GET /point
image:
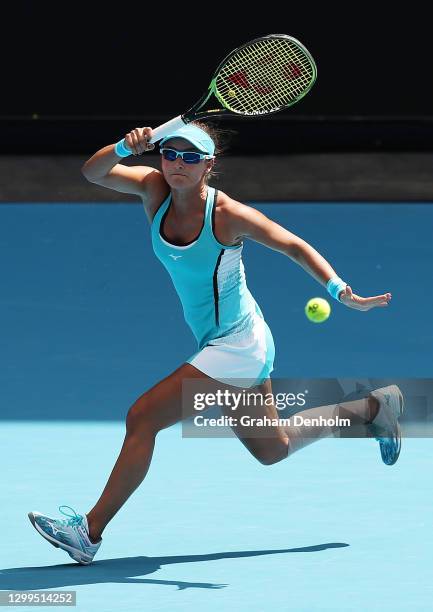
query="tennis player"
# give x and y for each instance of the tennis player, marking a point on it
(197, 233)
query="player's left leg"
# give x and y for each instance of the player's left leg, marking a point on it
(259, 425)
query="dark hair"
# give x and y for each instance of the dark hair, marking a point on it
(221, 138)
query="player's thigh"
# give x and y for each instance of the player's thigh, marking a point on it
(168, 401)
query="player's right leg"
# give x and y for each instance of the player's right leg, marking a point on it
(158, 408)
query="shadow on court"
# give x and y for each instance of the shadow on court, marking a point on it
(119, 570)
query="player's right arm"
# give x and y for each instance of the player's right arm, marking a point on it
(104, 169)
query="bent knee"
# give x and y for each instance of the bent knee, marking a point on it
(141, 417)
(273, 454)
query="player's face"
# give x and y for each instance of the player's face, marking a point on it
(178, 173)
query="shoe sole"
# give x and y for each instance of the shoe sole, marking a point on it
(397, 454)
(400, 412)
(71, 551)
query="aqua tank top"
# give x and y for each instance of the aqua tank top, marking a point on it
(209, 277)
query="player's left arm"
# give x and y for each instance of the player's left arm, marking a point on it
(247, 222)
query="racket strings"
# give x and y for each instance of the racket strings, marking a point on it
(296, 70)
(268, 79)
(269, 73)
(265, 76)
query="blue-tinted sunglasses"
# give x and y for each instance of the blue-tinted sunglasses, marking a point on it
(189, 157)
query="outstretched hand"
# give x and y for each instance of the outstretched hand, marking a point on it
(350, 299)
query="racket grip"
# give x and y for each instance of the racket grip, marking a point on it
(167, 128)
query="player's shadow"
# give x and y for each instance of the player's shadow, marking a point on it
(119, 570)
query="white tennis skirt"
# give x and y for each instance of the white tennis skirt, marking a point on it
(242, 359)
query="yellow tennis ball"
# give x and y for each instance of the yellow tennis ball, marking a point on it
(317, 310)
(232, 93)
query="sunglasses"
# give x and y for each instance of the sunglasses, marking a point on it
(189, 157)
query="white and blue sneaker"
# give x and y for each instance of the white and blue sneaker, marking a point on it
(72, 535)
(385, 426)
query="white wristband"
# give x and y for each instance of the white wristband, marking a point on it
(121, 149)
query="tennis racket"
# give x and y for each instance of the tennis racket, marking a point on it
(263, 76)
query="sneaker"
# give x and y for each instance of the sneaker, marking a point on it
(385, 426)
(72, 535)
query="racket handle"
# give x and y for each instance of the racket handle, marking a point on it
(167, 128)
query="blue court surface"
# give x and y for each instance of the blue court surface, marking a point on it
(90, 320)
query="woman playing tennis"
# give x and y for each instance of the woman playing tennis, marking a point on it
(197, 233)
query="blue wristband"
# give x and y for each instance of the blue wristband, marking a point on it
(121, 149)
(335, 286)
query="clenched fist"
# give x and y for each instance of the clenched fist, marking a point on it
(138, 140)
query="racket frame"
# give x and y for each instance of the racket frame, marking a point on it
(195, 114)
